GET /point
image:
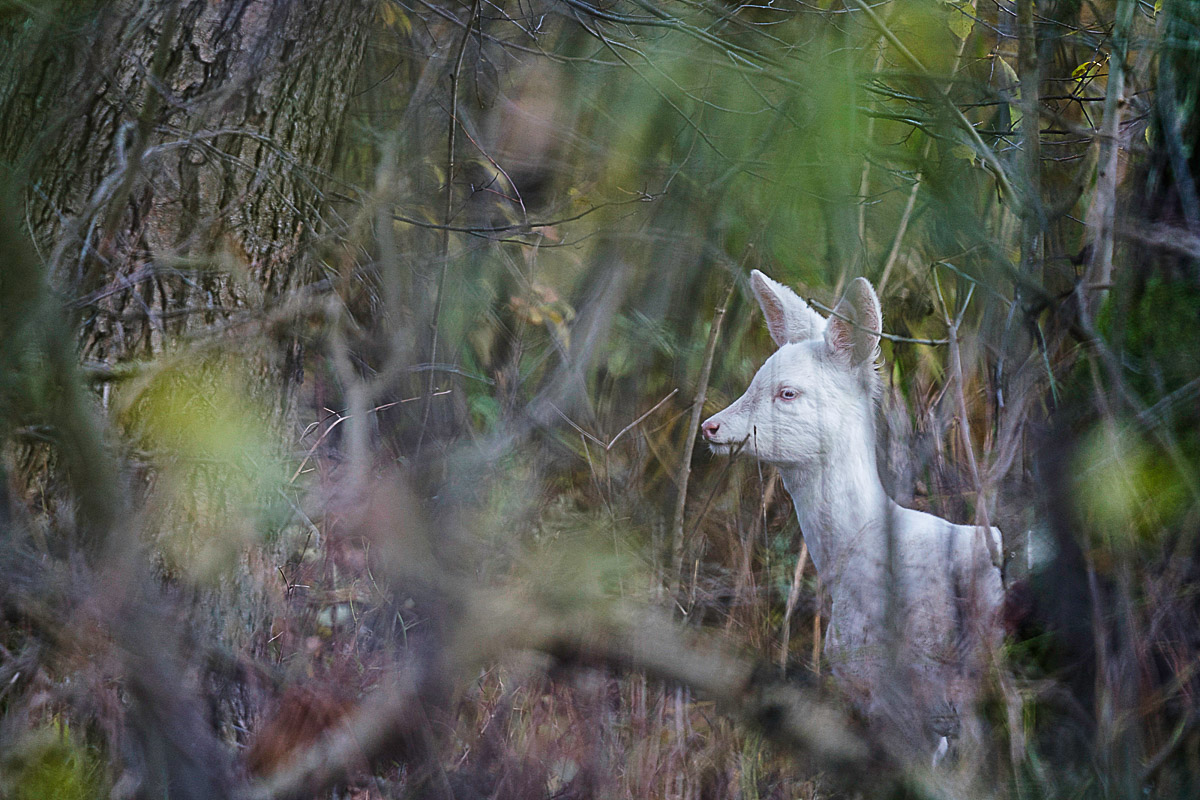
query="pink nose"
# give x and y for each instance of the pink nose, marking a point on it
(710, 429)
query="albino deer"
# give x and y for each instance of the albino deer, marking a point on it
(915, 598)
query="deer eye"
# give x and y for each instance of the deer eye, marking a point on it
(788, 393)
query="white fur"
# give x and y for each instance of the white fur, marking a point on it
(915, 598)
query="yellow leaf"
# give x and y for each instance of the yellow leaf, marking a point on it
(1008, 75)
(1087, 71)
(394, 17)
(962, 17)
(403, 23)
(963, 152)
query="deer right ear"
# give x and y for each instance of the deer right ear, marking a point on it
(789, 319)
(855, 325)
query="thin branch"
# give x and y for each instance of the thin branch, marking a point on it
(1102, 214)
(448, 212)
(964, 420)
(901, 229)
(186, 756)
(985, 152)
(523, 227)
(623, 431)
(685, 466)
(595, 31)
(891, 337)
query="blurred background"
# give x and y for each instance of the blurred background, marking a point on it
(352, 356)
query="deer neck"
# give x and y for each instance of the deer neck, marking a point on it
(840, 503)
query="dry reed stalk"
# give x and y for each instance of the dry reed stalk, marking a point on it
(816, 649)
(745, 577)
(793, 597)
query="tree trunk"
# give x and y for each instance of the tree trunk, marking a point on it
(171, 157)
(174, 154)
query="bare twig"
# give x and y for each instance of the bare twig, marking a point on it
(622, 432)
(816, 628)
(1102, 214)
(891, 337)
(981, 147)
(685, 466)
(1029, 158)
(522, 227)
(638, 421)
(342, 418)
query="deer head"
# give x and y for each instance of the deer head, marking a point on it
(814, 397)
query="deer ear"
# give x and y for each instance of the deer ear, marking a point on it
(854, 327)
(789, 319)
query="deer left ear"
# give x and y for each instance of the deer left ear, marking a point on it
(852, 333)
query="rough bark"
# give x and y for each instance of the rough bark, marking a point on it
(174, 154)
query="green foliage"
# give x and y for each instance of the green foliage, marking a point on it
(53, 761)
(1152, 321)
(219, 470)
(1129, 493)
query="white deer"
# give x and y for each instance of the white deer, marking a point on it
(916, 599)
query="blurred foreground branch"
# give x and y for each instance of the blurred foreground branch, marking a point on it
(181, 755)
(497, 624)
